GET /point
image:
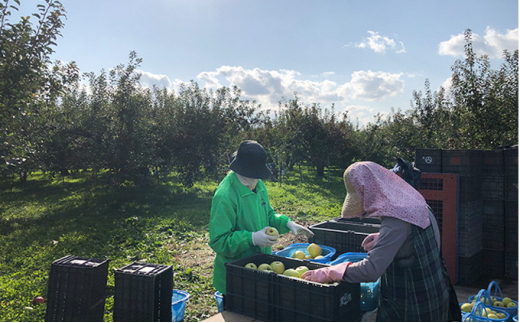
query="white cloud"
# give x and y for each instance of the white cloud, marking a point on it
(149, 79)
(493, 43)
(362, 114)
(373, 86)
(380, 44)
(269, 87)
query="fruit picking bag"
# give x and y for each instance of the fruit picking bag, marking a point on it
(480, 310)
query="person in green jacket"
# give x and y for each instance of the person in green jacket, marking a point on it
(241, 212)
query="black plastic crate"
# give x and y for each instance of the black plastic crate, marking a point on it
(493, 161)
(493, 214)
(143, 293)
(511, 214)
(493, 263)
(469, 269)
(493, 187)
(462, 162)
(344, 237)
(363, 221)
(77, 290)
(428, 160)
(511, 189)
(268, 296)
(470, 188)
(511, 266)
(470, 238)
(511, 162)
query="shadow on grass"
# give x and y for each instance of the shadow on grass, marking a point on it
(96, 221)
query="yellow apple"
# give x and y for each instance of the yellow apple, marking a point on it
(466, 307)
(265, 267)
(299, 254)
(506, 301)
(251, 265)
(318, 257)
(498, 304)
(301, 270)
(278, 267)
(291, 273)
(314, 250)
(272, 232)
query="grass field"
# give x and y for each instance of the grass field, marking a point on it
(46, 219)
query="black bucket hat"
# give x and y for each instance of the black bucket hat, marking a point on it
(250, 160)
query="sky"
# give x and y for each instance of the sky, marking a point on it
(362, 56)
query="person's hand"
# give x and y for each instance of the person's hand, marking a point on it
(262, 239)
(327, 274)
(370, 241)
(297, 229)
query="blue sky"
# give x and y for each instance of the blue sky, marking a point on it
(363, 56)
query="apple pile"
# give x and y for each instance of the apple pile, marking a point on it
(314, 252)
(487, 312)
(279, 268)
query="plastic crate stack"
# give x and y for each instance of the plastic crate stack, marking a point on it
(511, 212)
(493, 213)
(488, 208)
(76, 290)
(143, 293)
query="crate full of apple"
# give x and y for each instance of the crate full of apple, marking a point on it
(311, 251)
(270, 288)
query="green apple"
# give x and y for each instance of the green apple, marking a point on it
(302, 269)
(298, 254)
(506, 301)
(291, 273)
(498, 304)
(318, 257)
(251, 265)
(511, 304)
(265, 267)
(272, 232)
(314, 250)
(278, 267)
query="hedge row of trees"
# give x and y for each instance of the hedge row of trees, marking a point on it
(50, 122)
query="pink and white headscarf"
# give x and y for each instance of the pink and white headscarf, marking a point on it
(384, 193)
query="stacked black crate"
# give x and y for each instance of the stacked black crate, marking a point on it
(493, 229)
(143, 293)
(77, 290)
(468, 165)
(511, 212)
(428, 160)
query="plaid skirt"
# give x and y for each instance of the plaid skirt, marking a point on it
(419, 292)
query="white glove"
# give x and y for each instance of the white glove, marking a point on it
(262, 239)
(297, 229)
(370, 241)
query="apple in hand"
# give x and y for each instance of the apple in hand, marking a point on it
(265, 267)
(251, 265)
(272, 232)
(278, 267)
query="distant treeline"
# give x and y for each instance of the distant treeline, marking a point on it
(50, 122)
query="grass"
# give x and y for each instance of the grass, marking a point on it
(46, 219)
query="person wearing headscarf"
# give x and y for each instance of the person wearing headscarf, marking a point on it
(241, 213)
(405, 254)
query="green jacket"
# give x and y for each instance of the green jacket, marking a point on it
(237, 212)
